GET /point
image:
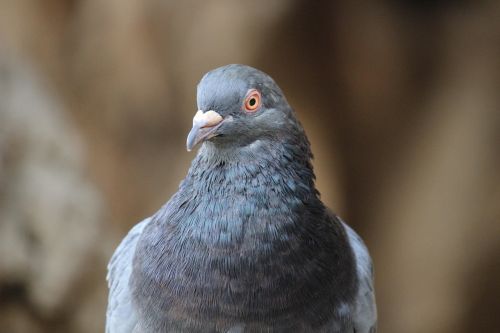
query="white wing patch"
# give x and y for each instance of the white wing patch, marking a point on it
(120, 315)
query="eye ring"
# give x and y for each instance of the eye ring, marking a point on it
(252, 101)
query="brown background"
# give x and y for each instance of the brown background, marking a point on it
(401, 100)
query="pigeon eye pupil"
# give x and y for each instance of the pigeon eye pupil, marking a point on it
(252, 102)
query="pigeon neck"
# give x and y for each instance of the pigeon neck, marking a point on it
(263, 162)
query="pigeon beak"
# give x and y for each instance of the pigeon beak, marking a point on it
(205, 125)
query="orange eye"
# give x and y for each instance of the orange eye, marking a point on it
(252, 101)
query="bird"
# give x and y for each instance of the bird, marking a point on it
(245, 244)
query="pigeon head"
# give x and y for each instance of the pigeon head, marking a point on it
(238, 105)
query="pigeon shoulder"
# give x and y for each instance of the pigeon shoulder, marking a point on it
(120, 314)
(365, 309)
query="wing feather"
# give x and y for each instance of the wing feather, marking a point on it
(120, 315)
(365, 312)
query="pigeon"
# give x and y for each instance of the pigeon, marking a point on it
(245, 244)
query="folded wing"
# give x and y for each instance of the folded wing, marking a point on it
(120, 315)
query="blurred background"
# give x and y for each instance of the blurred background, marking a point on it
(401, 100)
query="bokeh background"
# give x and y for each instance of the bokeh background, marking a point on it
(401, 100)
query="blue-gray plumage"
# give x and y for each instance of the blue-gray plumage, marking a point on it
(245, 245)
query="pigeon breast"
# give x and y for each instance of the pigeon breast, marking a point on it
(244, 241)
